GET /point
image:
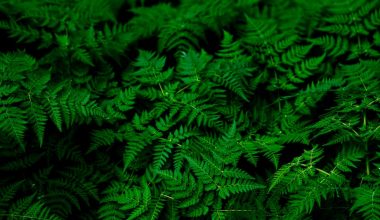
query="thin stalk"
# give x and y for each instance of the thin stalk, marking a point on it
(367, 159)
(366, 143)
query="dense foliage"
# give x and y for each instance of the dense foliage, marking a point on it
(209, 109)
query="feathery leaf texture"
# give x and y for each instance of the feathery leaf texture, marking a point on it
(221, 109)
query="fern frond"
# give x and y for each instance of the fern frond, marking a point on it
(271, 150)
(259, 31)
(347, 158)
(105, 137)
(13, 122)
(37, 116)
(151, 68)
(181, 34)
(38, 210)
(334, 47)
(53, 109)
(111, 212)
(132, 149)
(306, 68)
(233, 186)
(230, 48)
(367, 202)
(295, 54)
(192, 65)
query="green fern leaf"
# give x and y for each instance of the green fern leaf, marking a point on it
(38, 118)
(367, 202)
(13, 122)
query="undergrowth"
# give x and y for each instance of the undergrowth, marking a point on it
(190, 109)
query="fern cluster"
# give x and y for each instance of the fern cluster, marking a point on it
(190, 109)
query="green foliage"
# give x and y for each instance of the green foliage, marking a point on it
(201, 109)
(367, 202)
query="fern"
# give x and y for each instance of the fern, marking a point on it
(192, 66)
(38, 117)
(334, 46)
(13, 122)
(367, 202)
(221, 109)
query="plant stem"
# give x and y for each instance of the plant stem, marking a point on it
(367, 159)
(366, 143)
